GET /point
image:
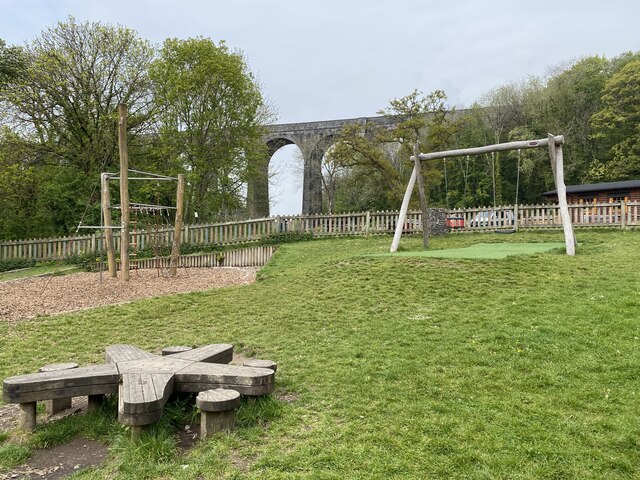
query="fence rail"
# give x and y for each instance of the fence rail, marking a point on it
(243, 257)
(618, 214)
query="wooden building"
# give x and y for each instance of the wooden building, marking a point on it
(608, 192)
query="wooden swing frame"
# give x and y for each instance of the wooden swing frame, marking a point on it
(554, 144)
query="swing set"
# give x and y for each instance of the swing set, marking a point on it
(552, 142)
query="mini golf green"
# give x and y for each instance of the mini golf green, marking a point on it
(481, 250)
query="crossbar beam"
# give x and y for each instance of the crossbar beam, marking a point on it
(498, 147)
(159, 179)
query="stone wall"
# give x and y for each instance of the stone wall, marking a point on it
(437, 221)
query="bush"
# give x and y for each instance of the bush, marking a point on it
(6, 265)
(288, 237)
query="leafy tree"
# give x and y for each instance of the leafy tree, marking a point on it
(359, 151)
(565, 106)
(37, 200)
(617, 124)
(536, 175)
(75, 75)
(469, 182)
(211, 120)
(62, 108)
(504, 109)
(422, 124)
(11, 63)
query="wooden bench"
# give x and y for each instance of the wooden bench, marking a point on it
(144, 382)
(26, 390)
(218, 411)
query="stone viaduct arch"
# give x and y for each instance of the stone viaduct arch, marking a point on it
(313, 139)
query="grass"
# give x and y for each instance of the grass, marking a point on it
(38, 270)
(393, 367)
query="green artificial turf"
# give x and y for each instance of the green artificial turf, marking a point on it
(388, 367)
(482, 250)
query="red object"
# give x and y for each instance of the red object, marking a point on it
(455, 222)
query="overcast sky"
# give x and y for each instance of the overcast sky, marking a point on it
(332, 59)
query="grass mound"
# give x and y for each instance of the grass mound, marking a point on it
(394, 367)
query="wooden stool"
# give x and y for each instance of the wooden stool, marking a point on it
(218, 410)
(58, 404)
(255, 363)
(175, 349)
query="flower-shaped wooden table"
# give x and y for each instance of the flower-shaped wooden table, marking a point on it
(144, 381)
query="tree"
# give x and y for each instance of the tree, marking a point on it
(331, 173)
(469, 179)
(61, 105)
(211, 120)
(359, 152)
(504, 109)
(565, 106)
(11, 63)
(422, 122)
(75, 75)
(617, 124)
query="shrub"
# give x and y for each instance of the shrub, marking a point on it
(288, 237)
(14, 264)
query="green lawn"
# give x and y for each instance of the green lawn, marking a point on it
(389, 367)
(38, 270)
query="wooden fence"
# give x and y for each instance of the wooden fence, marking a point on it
(243, 257)
(619, 215)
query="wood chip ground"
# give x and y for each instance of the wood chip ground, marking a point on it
(30, 297)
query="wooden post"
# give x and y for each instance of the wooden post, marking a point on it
(177, 230)
(516, 213)
(138, 431)
(557, 163)
(27, 417)
(424, 207)
(623, 215)
(108, 232)
(94, 402)
(403, 209)
(124, 191)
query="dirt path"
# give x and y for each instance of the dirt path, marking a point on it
(29, 297)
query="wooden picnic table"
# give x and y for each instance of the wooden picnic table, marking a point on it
(144, 381)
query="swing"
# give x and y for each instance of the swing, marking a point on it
(513, 230)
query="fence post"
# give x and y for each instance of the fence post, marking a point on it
(623, 215)
(516, 211)
(366, 225)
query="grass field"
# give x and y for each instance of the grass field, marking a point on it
(39, 270)
(388, 367)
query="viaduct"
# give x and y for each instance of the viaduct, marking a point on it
(313, 139)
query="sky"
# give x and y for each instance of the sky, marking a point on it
(333, 59)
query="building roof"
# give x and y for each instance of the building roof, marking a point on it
(598, 187)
